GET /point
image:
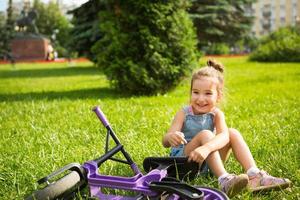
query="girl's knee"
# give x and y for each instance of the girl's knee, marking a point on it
(233, 133)
(204, 136)
(206, 133)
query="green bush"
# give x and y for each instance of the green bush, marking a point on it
(282, 45)
(147, 47)
(217, 49)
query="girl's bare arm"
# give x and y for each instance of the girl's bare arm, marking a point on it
(173, 135)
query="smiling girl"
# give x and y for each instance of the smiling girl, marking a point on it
(199, 131)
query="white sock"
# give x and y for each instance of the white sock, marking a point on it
(252, 171)
(221, 178)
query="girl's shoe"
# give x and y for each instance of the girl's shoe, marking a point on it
(234, 184)
(262, 181)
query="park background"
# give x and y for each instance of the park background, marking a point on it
(46, 120)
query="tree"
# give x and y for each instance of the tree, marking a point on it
(220, 21)
(85, 31)
(2, 19)
(6, 31)
(147, 46)
(52, 23)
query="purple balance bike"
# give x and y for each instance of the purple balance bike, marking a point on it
(164, 178)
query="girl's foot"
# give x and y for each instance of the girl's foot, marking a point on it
(233, 184)
(262, 181)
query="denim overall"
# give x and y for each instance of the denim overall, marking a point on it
(192, 125)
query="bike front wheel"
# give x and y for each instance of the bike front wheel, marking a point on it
(59, 189)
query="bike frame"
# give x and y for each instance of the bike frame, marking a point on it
(138, 183)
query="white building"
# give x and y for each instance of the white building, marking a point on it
(273, 14)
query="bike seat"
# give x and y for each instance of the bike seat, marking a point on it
(177, 167)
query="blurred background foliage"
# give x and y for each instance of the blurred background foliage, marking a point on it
(148, 47)
(54, 25)
(220, 23)
(282, 45)
(86, 27)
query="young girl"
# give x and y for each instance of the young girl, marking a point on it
(199, 131)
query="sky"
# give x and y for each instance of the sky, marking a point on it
(3, 3)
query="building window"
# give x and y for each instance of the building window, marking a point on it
(282, 21)
(282, 11)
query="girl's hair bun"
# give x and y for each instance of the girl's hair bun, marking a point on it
(217, 66)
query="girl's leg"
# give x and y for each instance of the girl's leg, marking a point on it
(240, 150)
(258, 180)
(231, 184)
(213, 160)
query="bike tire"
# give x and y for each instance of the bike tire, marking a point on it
(56, 190)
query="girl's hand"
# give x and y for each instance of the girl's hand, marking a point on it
(176, 138)
(199, 154)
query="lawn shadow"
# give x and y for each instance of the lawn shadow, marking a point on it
(90, 93)
(50, 72)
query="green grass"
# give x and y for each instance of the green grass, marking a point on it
(46, 121)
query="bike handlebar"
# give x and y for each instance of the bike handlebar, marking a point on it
(101, 116)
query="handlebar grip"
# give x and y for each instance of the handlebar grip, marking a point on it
(101, 116)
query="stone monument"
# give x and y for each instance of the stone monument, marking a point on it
(28, 44)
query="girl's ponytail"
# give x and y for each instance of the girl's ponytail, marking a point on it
(217, 66)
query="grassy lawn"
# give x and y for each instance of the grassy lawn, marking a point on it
(46, 121)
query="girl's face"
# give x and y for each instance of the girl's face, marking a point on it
(204, 95)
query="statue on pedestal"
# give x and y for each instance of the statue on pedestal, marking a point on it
(28, 44)
(27, 22)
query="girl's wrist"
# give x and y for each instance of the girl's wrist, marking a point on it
(167, 137)
(209, 147)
